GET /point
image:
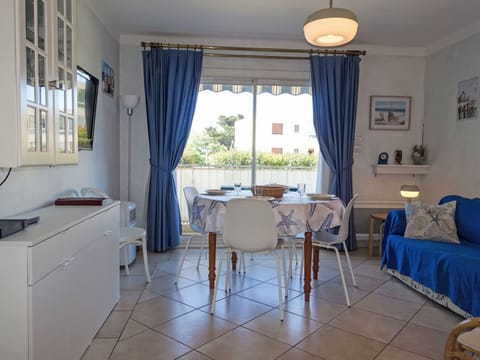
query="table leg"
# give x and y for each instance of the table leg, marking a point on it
(212, 245)
(307, 263)
(380, 237)
(234, 261)
(316, 260)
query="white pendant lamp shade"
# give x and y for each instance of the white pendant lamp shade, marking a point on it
(330, 27)
(130, 102)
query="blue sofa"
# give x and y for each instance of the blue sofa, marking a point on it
(448, 273)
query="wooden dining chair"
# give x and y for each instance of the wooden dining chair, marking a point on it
(463, 342)
(249, 226)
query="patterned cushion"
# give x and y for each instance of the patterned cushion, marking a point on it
(431, 222)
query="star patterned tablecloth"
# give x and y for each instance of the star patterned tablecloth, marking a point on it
(292, 214)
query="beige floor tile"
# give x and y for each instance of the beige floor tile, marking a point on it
(327, 271)
(147, 295)
(137, 268)
(238, 282)
(334, 292)
(336, 344)
(128, 299)
(366, 323)
(238, 309)
(192, 273)
(317, 309)
(371, 270)
(291, 330)
(266, 293)
(243, 344)
(132, 328)
(388, 306)
(196, 296)
(195, 328)
(393, 353)
(113, 326)
(132, 282)
(366, 283)
(148, 345)
(100, 349)
(297, 354)
(262, 273)
(158, 310)
(166, 283)
(194, 355)
(395, 288)
(421, 340)
(437, 317)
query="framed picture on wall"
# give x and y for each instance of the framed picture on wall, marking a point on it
(390, 112)
(108, 79)
(467, 99)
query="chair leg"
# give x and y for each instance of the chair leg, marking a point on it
(217, 281)
(187, 246)
(145, 259)
(343, 277)
(202, 247)
(286, 274)
(349, 264)
(125, 259)
(301, 263)
(279, 283)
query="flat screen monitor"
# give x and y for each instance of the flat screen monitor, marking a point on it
(87, 91)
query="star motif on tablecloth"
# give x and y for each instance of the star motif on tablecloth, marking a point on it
(287, 220)
(196, 212)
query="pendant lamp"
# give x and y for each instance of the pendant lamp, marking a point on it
(330, 27)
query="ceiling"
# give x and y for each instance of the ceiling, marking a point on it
(402, 23)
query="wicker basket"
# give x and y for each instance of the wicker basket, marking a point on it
(275, 191)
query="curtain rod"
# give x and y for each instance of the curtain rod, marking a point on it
(255, 49)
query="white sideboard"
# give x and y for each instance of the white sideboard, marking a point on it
(59, 280)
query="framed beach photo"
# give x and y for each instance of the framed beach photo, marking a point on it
(467, 99)
(390, 112)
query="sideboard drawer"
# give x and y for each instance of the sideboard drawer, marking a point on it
(60, 249)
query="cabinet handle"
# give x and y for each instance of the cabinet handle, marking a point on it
(108, 232)
(55, 85)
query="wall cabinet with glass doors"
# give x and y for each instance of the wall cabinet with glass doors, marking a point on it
(38, 91)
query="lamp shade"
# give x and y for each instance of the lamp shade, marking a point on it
(130, 101)
(330, 27)
(409, 191)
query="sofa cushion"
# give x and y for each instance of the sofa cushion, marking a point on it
(467, 217)
(432, 222)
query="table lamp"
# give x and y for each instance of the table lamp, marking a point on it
(409, 191)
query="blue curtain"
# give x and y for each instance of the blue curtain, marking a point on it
(171, 79)
(334, 93)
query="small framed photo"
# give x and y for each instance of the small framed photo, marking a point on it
(108, 79)
(467, 99)
(390, 112)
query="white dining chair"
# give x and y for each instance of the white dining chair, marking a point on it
(330, 241)
(190, 192)
(138, 237)
(249, 226)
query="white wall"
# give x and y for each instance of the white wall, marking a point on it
(452, 145)
(31, 187)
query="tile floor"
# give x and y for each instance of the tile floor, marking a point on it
(161, 320)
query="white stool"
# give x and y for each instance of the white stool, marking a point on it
(136, 236)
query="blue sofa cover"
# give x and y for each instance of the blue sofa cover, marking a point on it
(446, 269)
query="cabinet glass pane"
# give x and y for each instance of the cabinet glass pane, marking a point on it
(69, 93)
(30, 58)
(43, 131)
(31, 129)
(42, 80)
(61, 92)
(70, 135)
(60, 6)
(69, 47)
(69, 10)
(61, 41)
(61, 143)
(41, 24)
(30, 20)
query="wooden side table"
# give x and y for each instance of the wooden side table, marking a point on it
(373, 218)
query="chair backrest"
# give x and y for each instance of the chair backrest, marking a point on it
(190, 192)
(344, 226)
(249, 225)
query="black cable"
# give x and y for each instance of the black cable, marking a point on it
(6, 177)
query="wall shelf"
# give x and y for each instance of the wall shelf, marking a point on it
(401, 169)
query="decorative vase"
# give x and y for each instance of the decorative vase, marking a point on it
(418, 155)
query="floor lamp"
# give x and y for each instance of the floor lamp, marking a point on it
(129, 102)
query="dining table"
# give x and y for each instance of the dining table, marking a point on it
(293, 215)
